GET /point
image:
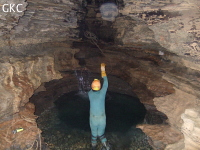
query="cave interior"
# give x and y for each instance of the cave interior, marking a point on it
(52, 50)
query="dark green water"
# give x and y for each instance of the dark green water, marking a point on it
(122, 111)
(66, 126)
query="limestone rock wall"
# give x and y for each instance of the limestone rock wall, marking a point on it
(19, 78)
(171, 83)
(41, 22)
(190, 128)
(157, 54)
(186, 96)
(28, 138)
(11, 11)
(161, 135)
(64, 58)
(175, 24)
(174, 106)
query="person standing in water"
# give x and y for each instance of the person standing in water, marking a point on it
(97, 110)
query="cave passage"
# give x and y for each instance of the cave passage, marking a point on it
(66, 126)
(122, 111)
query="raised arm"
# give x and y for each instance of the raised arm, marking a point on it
(104, 76)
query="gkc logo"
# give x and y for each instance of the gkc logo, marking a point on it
(11, 7)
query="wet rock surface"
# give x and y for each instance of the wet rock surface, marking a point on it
(59, 136)
(66, 126)
(12, 138)
(146, 30)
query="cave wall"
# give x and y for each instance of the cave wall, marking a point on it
(45, 96)
(19, 78)
(43, 23)
(175, 26)
(156, 51)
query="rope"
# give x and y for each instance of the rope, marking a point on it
(30, 120)
(93, 39)
(90, 35)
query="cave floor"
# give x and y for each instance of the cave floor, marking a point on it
(74, 134)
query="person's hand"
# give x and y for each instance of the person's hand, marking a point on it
(103, 65)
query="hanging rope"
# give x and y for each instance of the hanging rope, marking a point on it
(30, 120)
(93, 39)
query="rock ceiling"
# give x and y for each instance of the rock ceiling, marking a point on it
(153, 45)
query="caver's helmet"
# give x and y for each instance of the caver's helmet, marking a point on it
(96, 85)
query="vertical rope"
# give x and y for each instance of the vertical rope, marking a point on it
(93, 38)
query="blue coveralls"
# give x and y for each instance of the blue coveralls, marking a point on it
(97, 112)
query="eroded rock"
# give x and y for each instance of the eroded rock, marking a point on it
(29, 137)
(161, 135)
(190, 129)
(20, 78)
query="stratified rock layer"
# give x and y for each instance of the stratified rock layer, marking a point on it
(42, 22)
(190, 128)
(19, 78)
(156, 51)
(161, 135)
